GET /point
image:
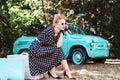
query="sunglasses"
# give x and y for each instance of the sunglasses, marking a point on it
(62, 23)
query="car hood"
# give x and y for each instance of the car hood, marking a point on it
(88, 37)
(25, 38)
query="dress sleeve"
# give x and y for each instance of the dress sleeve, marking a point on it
(46, 37)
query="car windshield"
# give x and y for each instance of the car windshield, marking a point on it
(74, 29)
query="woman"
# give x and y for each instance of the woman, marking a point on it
(46, 52)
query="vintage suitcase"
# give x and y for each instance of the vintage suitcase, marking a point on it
(26, 61)
(12, 69)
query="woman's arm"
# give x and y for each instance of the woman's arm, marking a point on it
(59, 43)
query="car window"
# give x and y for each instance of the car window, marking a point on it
(75, 29)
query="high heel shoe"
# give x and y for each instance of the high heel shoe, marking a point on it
(50, 75)
(71, 78)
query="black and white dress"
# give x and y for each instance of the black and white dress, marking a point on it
(44, 53)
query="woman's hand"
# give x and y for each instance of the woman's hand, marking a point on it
(59, 43)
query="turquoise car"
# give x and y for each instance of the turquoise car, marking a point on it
(77, 46)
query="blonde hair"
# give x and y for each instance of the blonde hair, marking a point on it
(57, 17)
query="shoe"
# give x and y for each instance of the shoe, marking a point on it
(50, 75)
(71, 78)
(38, 77)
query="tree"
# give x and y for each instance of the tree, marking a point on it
(30, 17)
(5, 29)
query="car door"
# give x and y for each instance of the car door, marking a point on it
(65, 45)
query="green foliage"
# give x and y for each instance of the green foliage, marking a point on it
(112, 1)
(114, 29)
(26, 15)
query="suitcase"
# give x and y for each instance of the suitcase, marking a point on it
(12, 69)
(26, 65)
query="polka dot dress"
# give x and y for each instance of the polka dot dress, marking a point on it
(44, 53)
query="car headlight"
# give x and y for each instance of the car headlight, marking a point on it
(92, 43)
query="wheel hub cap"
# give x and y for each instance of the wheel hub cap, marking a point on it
(78, 57)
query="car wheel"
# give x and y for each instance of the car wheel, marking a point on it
(100, 60)
(24, 52)
(79, 56)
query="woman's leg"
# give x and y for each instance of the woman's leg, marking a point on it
(66, 68)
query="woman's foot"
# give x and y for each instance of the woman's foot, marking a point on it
(38, 77)
(53, 75)
(68, 74)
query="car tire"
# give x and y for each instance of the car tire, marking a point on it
(100, 60)
(79, 56)
(24, 52)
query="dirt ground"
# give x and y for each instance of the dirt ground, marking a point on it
(110, 70)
